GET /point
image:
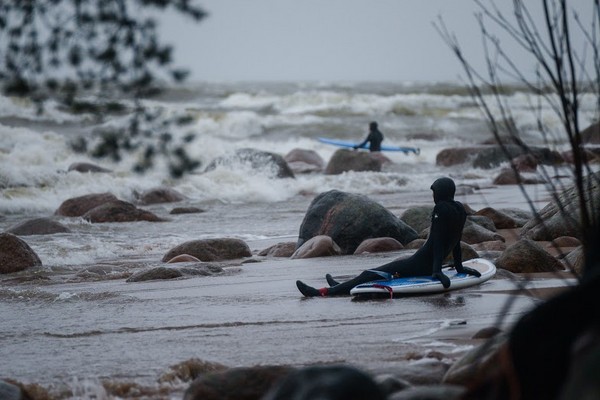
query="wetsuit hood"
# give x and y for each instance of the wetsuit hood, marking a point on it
(443, 190)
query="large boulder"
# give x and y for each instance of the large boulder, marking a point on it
(349, 219)
(272, 163)
(561, 217)
(211, 249)
(38, 226)
(77, 206)
(119, 211)
(526, 256)
(16, 255)
(346, 160)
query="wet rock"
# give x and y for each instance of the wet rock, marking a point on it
(119, 211)
(8, 391)
(378, 245)
(505, 218)
(527, 256)
(318, 246)
(575, 260)
(349, 219)
(186, 210)
(189, 370)
(419, 218)
(430, 392)
(160, 195)
(330, 382)
(38, 226)
(303, 161)
(211, 249)
(482, 221)
(468, 253)
(285, 249)
(259, 160)
(77, 206)
(155, 274)
(474, 233)
(183, 258)
(201, 269)
(346, 160)
(476, 361)
(565, 241)
(244, 383)
(494, 245)
(16, 255)
(415, 244)
(555, 221)
(85, 167)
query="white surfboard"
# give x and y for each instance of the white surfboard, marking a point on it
(427, 284)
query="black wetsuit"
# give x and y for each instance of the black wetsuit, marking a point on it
(447, 222)
(375, 137)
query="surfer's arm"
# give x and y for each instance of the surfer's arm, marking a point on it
(436, 235)
(363, 143)
(457, 256)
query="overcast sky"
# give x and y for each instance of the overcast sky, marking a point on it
(325, 40)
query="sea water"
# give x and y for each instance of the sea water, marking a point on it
(62, 326)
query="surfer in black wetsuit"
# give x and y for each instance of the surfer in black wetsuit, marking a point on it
(447, 222)
(375, 138)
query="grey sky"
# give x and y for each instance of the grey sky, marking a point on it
(325, 40)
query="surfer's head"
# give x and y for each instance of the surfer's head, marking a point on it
(443, 189)
(373, 125)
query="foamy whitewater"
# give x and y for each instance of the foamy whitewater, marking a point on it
(73, 329)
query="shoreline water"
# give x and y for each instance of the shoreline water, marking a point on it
(114, 331)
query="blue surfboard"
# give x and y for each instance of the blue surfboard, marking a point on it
(427, 284)
(343, 143)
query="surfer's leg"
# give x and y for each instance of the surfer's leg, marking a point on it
(342, 289)
(331, 281)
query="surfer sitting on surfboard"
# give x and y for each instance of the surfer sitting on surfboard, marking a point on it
(447, 222)
(375, 137)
